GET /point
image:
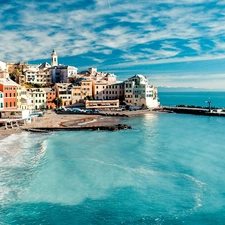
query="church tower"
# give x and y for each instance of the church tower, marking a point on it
(54, 58)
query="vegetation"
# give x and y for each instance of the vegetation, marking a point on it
(58, 102)
(15, 75)
(35, 85)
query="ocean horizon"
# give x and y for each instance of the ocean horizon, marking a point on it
(167, 170)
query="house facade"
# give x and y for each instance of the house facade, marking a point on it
(50, 98)
(38, 98)
(139, 93)
(64, 92)
(61, 73)
(9, 89)
(104, 90)
(81, 91)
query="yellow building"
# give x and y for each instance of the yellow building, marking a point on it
(104, 90)
(81, 91)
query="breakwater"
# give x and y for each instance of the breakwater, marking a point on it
(82, 128)
(194, 111)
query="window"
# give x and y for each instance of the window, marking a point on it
(6, 104)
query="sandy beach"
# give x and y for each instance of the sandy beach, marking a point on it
(51, 119)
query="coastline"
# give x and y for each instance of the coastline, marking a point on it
(51, 120)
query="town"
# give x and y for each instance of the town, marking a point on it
(27, 88)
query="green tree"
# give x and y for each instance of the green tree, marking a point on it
(15, 75)
(58, 102)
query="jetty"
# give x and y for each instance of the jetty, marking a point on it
(194, 111)
(82, 128)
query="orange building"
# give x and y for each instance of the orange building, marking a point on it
(9, 89)
(50, 98)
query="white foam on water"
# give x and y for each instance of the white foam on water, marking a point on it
(20, 154)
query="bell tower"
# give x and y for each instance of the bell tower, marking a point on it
(54, 58)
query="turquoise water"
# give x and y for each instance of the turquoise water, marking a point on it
(192, 98)
(169, 169)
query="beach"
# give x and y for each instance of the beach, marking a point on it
(51, 120)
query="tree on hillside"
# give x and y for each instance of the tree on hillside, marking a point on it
(15, 75)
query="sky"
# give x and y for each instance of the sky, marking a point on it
(178, 43)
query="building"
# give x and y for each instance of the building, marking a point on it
(105, 90)
(43, 75)
(61, 73)
(64, 92)
(81, 91)
(139, 93)
(93, 75)
(1, 100)
(54, 58)
(9, 89)
(50, 98)
(38, 98)
(24, 102)
(102, 104)
(3, 66)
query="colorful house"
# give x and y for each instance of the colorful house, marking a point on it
(9, 89)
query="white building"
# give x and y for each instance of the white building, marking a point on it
(61, 73)
(139, 93)
(54, 58)
(24, 102)
(38, 74)
(38, 96)
(3, 70)
(93, 75)
(3, 66)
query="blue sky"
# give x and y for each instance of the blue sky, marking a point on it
(173, 43)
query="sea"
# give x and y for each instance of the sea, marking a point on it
(169, 169)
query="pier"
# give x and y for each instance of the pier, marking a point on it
(82, 128)
(194, 111)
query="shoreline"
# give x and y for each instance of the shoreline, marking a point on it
(53, 120)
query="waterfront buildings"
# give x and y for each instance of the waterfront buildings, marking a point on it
(139, 93)
(71, 87)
